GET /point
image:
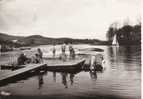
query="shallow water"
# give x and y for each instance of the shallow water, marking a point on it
(121, 77)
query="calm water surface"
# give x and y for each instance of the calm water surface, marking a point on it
(121, 77)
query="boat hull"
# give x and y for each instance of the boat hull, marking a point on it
(66, 67)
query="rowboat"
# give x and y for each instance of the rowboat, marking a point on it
(68, 65)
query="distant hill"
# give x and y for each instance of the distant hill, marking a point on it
(41, 40)
(9, 37)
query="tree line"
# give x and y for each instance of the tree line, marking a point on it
(126, 35)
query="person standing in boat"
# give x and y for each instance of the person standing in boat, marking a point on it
(72, 51)
(63, 55)
(54, 51)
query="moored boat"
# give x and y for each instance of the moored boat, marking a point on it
(69, 65)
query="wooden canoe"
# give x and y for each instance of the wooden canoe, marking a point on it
(69, 65)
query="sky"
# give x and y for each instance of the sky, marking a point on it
(66, 18)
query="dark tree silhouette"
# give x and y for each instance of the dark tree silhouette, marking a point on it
(126, 35)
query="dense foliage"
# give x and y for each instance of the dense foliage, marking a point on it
(126, 35)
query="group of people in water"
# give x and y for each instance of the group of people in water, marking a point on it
(63, 55)
(38, 57)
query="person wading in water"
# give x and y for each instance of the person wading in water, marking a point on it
(40, 54)
(54, 51)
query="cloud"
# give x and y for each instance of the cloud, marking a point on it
(60, 18)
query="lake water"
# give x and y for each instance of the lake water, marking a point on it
(121, 78)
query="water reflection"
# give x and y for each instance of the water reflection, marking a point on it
(115, 52)
(41, 81)
(125, 52)
(64, 79)
(124, 57)
(68, 78)
(71, 78)
(54, 76)
(93, 75)
(122, 77)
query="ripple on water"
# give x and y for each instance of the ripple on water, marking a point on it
(121, 78)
